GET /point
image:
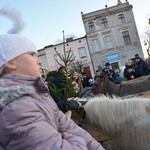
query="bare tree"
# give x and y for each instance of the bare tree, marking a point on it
(79, 65)
(146, 38)
(67, 58)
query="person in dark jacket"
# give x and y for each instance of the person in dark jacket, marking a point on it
(60, 78)
(86, 80)
(129, 71)
(141, 67)
(107, 70)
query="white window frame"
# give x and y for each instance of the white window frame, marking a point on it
(108, 41)
(126, 37)
(104, 22)
(82, 52)
(91, 26)
(96, 45)
(121, 18)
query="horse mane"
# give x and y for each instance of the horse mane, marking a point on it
(127, 120)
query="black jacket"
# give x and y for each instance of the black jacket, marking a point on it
(142, 68)
(59, 80)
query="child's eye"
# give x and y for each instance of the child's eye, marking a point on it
(33, 54)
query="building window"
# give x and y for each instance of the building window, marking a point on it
(96, 45)
(104, 23)
(91, 26)
(121, 18)
(57, 59)
(108, 41)
(82, 52)
(126, 37)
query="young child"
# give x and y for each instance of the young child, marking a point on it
(29, 118)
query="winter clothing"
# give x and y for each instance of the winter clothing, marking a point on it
(119, 79)
(13, 45)
(141, 68)
(59, 80)
(129, 72)
(107, 64)
(31, 120)
(66, 105)
(110, 73)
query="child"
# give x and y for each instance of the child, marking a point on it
(29, 118)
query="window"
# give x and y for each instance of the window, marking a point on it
(104, 23)
(126, 37)
(96, 45)
(108, 41)
(57, 59)
(121, 18)
(82, 52)
(91, 26)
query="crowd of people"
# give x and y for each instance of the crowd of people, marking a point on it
(134, 68)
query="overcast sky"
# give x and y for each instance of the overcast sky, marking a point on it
(46, 19)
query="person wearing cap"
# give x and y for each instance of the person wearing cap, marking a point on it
(109, 72)
(30, 119)
(141, 66)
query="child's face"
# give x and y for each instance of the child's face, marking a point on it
(27, 64)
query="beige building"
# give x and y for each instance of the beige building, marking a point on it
(112, 35)
(77, 47)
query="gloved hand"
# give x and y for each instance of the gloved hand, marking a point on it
(80, 101)
(73, 103)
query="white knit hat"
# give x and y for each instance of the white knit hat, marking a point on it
(13, 45)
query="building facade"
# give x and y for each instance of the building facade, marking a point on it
(112, 35)
(78, 48)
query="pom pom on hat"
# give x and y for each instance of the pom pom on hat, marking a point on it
(12, 46)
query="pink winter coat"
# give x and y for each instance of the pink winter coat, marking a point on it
(30, 119)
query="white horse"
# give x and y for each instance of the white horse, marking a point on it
(126, 121)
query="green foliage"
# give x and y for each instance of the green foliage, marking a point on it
(50, 76)
(62, 93)
(51, 73)
(67, 89)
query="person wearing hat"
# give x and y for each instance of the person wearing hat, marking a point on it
(30, 119)
(141, 67)
(136, 55)
(109, 72)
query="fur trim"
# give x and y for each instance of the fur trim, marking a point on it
(9, 94)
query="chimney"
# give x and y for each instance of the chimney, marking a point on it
(119, 2)
(69, 39)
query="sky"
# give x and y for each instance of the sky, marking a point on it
(44, 20)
